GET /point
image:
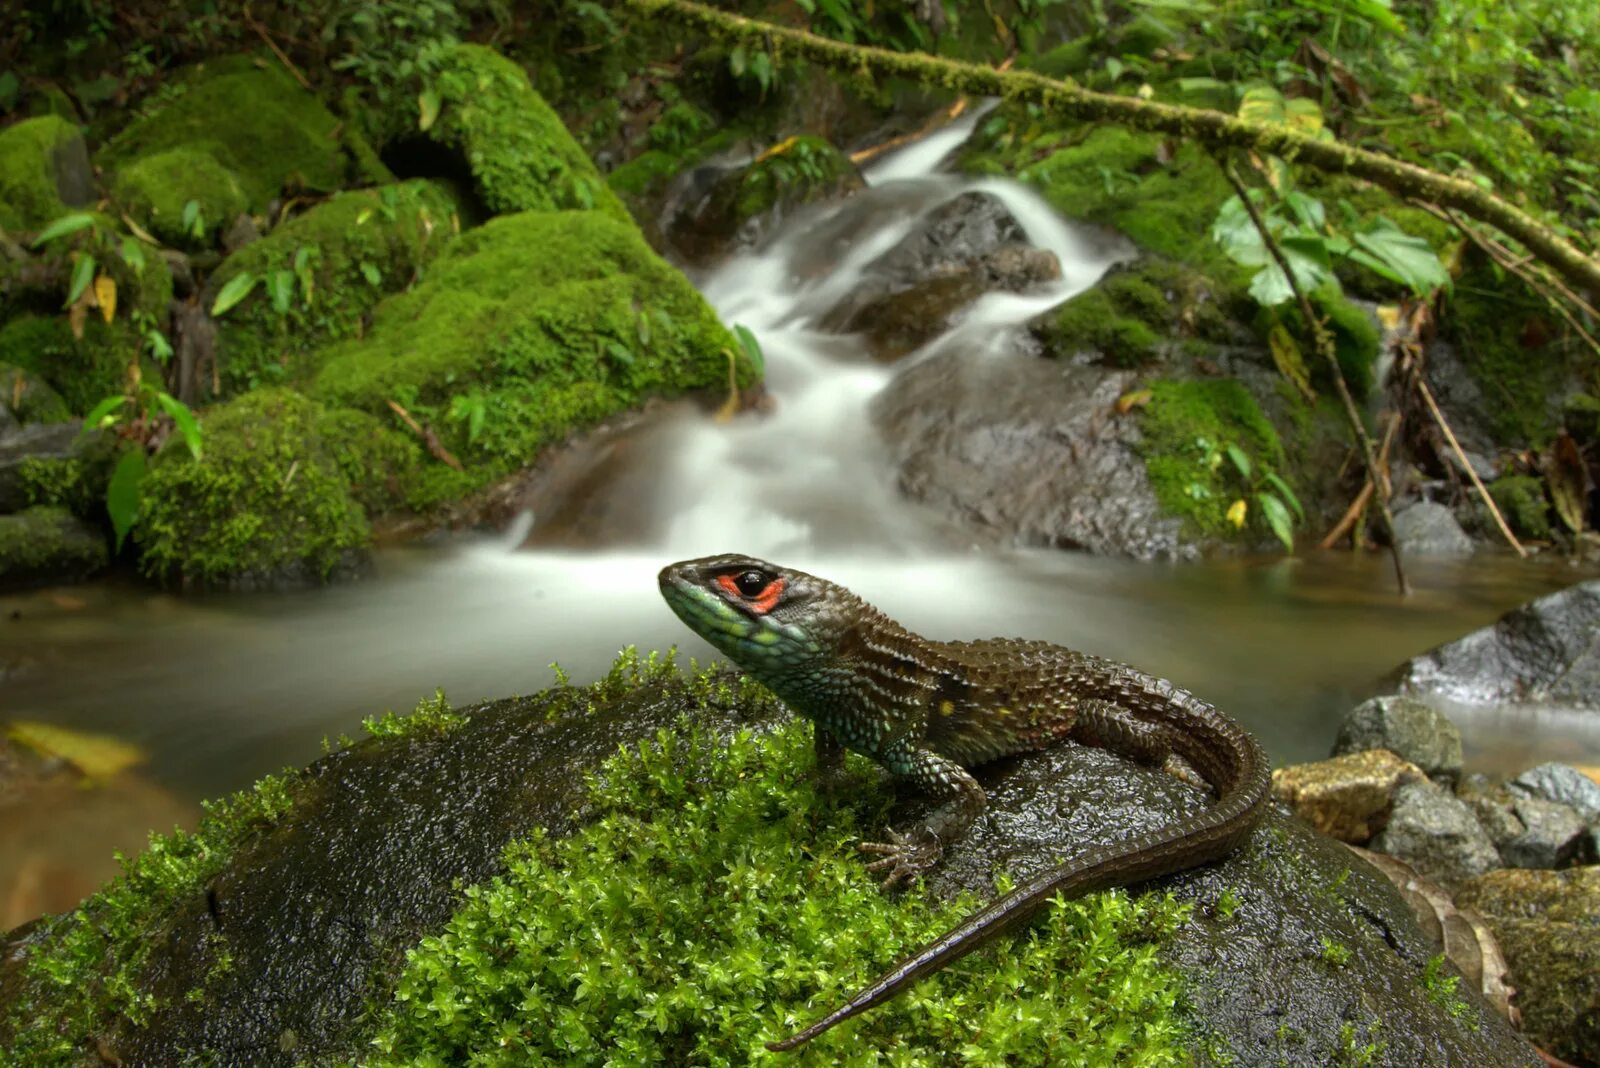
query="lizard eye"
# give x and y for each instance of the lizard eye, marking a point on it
(751, 583)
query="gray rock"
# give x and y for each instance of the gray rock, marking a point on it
(1498, 819)
(1429, 529)
(1553, 835)
(1406, 727)
(1438, 834)
(43, 441)
(1547, 651)
(1029, 450)
(1563, 784)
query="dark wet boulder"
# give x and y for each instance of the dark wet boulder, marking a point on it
(1438, 834)
(1406, 727)
(966, 247)
(1429, 529)
(1547, 651)
(46, 545)
(27, 398)
(1028, 451)
(1548, 926)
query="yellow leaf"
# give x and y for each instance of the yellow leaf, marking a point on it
(1388, 316)
(1286, 354)
(105, 293)
(1137, 398)
(97, 756)
(1237, 512)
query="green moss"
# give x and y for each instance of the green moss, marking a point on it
(683, 926)
(268, 500)
(76, 483)
(1356, 339)
(29, 197)
(520, 155)
(355, 249)
(1443, 990)
(30, 398)
(84, 371)
(1521, 499)
(155, 189)
(798, 171)
(501, 352)
(1186, 426)
(1138, 313)
(1066, 60)
(252, 118)
(81, 970)
(432, 715)
(46, 543)
(386, 469)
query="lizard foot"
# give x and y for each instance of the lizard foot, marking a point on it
(905, 857)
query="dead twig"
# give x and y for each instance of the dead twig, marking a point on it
(261, 31)
(429, 438)
(1449, 435)
(1324, 344)
(1348, 520)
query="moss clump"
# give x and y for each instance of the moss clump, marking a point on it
(84, 371)
(1580, 416)
(1138, 313)
(386, 469)
(81, 969)
(30, 158)
(742, 935)
(252, 118)
(796, 172)
(29, 397)
(268, 503)
(46, 544)
(354, 250)
(432, 716)
(1186, 427)
(1521, 499)
(502, 352)
(520, 155)
(1356, 339)
(155, 189)
(76, 483)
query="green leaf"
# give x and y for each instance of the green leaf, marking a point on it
(67, 224)
(122, 492)
(1401, 257)
(133, 253)
(1261, 103)
(620, 352)
(1307, 255)
(1238, 236)
(736, 61)
(1240, 460)
(752, 348)
(370, 272)
(428, 105)
(160, 347)
(1288, 494)
(100, 414)
(191, 215)
(1277, 517)
(82, 275)
(280, 290)
(183, 419)
(238, 287)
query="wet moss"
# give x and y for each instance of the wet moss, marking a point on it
(29, 197)
(268, 503)
(83, 370)
(1139, 313)
(501, 353)
(355, 249)
(76, 483)
(1521, 500)
(1357, 339)
(386, 470)
(796, 172)
(46, 544)
(520, 155)
(29, 397)
(156, 189)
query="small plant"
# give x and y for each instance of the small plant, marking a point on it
(1334, 953)
(1254, 482)
(432, 714)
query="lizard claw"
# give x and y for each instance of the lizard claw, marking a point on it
(905, 857)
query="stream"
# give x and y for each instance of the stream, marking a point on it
(219, 690)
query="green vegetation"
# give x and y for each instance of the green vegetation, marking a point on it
(432, 715)
(1336, 954)
(551, 962)
(29, 397)
(82, 370)
(1444, 990)
(29, 195)
(83, 967)
(1521, 499)
(1140, 313)
(158, 190)
(45, 541)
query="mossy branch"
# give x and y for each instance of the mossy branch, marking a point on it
(1215, 129)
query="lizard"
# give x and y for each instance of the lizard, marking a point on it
(928, 710)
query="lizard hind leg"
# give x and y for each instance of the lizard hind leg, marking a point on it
(905, 856)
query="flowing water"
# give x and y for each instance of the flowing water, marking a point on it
(220, 690)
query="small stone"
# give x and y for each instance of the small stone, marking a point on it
(1406, 727)
(1437, 833)
(1497, 818)
(1563, 784)
(1348, 797)
(1429, 529)
(1553, 835)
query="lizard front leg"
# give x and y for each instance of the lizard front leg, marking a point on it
(906, 856)
(830, 758)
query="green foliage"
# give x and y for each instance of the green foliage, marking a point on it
(1444, 990)
(394, 47)
(182, 195)
(702, 912)
(1138, 313)
(432, 715)
(30, 398)
(29, 197)
(80, 971)
(83, 370)
(1336, 954)
(1521, 499)
(46, 543)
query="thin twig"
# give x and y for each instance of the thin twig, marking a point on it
(1324, 345)
(1438, 416)
(1348, 520)
(429, 438)
(262, 32)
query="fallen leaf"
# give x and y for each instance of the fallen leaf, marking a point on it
(97, 756)
(1136, 398)
(105, 294)
(1237, 511)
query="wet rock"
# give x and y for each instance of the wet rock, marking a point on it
(1552, 835)
(1547, 651)
(46, 171)
(41, 441)
(1563, 784)
(966, 247)
(1548, 926)
(1348, 797)
(1029, 451)
(1429, 529)
(44, 546)
(1438, 834)
(1406, 727)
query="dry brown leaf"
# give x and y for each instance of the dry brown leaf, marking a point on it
(1568, 481)
(105, 295)
(1135, 398)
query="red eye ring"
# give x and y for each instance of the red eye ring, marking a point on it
(761, 602)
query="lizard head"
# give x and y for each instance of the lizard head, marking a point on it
(769, 619)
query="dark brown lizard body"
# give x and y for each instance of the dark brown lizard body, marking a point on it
(927, 710)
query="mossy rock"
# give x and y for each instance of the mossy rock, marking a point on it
(1580, 416)
(156, 189)
(269, 504)
(44, 171)
(1141, 312)
(520, 156)
(252, 118)
(1357, 339)
(357, 247)
(502, 351)
(84, 371)
(45, 545)
(1187, 426)
(386, 469)
(29, 398)
(1521, 499)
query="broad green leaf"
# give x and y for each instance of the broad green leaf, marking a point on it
(100, 414)
(82, 275)
(133, 253)
(1200, 85)
(191, 215)
(1282, 487)
(752, 348)
(1408, 260)
(1277, 517)
(238, 287)
(1377, 12)
(1307, 209)
(1237, 234)
(67, 224)
(370, 272)
(1261, 103)
(620, 352)
(736, 61)
(160, 347)
(1307, 255)
(183, 419)
(122, 493)
(1240, 460)
(1304, 115)
(280, 290)
(428, 108)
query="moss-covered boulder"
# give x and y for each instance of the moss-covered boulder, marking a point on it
(268, 505)
(520, 156)
(44, 170)
(250, 117)
(157, 189)
(25, 397)
(1522, 501)
(45, 545)
(527, 328)
(319, 275)
(83, 370)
